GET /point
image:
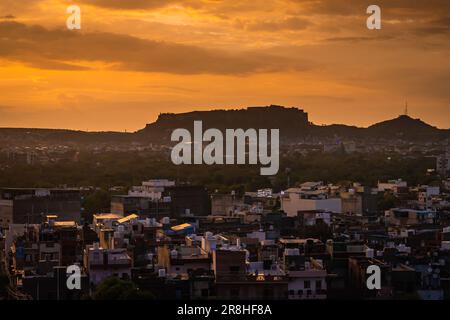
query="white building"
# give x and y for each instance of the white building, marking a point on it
(295, 200)
(392, 185)
(307, 282)
(151, 189)
(426, 194)
(103, 263)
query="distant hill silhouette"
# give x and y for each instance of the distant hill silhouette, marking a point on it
(407, 128)
(292, 122)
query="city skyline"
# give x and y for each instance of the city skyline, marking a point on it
(136, 59)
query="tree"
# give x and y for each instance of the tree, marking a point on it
(97, 202)
(114, 288)
(388, 201)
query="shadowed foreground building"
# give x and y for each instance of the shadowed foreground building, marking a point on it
(233, 281)
(31, 206)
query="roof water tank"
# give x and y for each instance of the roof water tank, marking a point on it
(208, 235)
(162, 273)
(370, 253)
(165, 220)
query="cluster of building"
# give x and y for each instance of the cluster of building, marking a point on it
(35, 152)
(354, 145)
(313, 241)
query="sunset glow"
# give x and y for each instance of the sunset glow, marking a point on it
(135, 59)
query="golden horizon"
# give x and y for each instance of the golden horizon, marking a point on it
(132, 60)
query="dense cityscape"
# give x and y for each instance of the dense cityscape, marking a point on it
(229, 159)
(278, 238)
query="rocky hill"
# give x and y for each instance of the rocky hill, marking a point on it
(292, 122)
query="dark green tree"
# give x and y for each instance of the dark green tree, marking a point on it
(388, 201)
(116, 289)
(97, 202)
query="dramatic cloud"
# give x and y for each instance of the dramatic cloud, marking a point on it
(359, 39)
(355, 7)
(439, 26)
(287, 24)
(61, 49)
(14, 7)
(7, 17)
(130, 4)
(145, 56)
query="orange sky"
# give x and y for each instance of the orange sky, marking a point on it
(134, 59)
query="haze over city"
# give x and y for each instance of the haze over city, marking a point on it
(135, 59)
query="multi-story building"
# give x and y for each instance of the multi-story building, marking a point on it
(307, 278)
(102, 263)
(189, 200)
(31, 206)
(233, 281)
(295, 200)
(183, 260)
(409, 217)
(392, 185)
(225, 204)
(140, 204)
(443, 163)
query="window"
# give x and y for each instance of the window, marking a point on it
(291, 292)
(300, 292)
(318, 284)
(307, 284)
(47, 256)
(234, 269)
